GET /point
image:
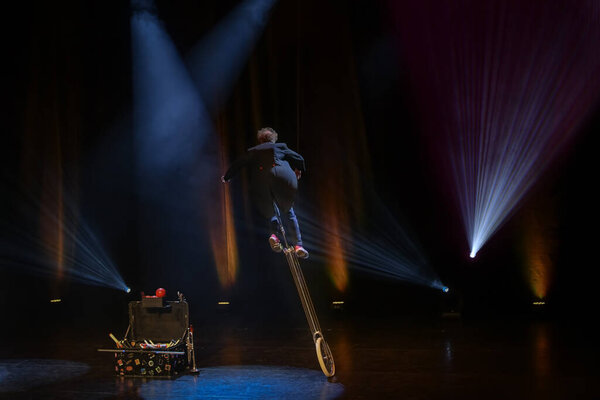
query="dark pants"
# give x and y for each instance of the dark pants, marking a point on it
(289, 220)
(278, 184)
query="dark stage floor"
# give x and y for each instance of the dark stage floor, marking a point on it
(375, 359)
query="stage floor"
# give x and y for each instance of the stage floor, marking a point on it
(375, 359)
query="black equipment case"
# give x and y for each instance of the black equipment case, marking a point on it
(158, 342)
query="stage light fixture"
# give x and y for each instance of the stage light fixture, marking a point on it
(445, 289)
(337, 305)
(127, 290)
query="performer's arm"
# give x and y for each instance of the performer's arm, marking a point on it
(235, 167)
(296, 160)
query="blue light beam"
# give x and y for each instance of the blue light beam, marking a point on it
(386, 249)
(518, 103)
(216, 61)
(170, 120)
(85, 260)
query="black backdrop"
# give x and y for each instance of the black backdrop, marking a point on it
(326, 75)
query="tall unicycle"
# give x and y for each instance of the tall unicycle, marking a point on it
(324, 354)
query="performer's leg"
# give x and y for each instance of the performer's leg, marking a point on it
(274, 225)
(295, 236)
(274, 241)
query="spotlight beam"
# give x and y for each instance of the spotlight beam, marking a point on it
(217, 60)
(85, 259)
(514, 104)
(392, 255)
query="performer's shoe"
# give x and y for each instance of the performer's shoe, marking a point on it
(301, 251)
(275, 244)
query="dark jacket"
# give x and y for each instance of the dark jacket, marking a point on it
(271, 167)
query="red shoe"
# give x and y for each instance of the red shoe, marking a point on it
(301, 251)
(275, 244)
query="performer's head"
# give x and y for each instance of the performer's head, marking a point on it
(266, 135)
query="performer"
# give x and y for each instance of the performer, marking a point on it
(275, 171)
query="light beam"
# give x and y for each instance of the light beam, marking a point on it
(384, 248)
(511, 84)
(81, 254)
(216, 61)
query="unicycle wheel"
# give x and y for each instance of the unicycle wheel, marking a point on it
(325, 357)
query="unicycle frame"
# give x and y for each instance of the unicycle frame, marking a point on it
(324, 355)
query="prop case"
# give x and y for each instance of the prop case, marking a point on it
(158, 342)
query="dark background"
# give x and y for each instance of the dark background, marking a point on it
(330, 78)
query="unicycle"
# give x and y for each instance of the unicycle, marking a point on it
(322, 348)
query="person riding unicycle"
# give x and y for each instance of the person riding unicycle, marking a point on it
(275, 171)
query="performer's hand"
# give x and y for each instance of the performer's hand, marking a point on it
(298, 173)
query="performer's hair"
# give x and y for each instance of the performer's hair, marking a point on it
(266, 135)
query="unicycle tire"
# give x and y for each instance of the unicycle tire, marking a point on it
(325, 357)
